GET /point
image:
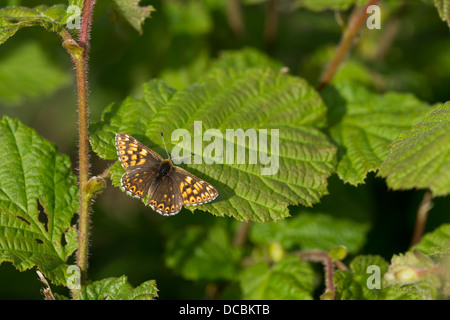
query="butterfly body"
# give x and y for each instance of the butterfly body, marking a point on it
(166, 186)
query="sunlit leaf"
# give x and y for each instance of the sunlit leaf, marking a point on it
(38, 197)
(283, 107)
(418, 157)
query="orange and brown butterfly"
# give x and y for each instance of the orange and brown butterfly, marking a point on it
(166, 186)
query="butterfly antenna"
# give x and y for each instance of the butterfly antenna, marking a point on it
(162, 136)
(184, 157)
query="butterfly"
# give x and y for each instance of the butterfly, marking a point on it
(167, 186)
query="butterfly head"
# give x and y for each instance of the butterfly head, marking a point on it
(166, 166)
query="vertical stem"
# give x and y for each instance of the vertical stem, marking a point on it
(235, 18)
(81, 66)
(355, 23)
(422, 215)
(241, 235)
(271, 23)
(83, 153)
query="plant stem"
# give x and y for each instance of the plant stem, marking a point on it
(271, 23)
(325, 259)
(81, 67)
(234, 17)
(241, 235)
(354, 25)
(422, 215)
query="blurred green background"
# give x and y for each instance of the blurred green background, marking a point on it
(410, 53)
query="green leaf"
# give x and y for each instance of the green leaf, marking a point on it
(363, 281)
(182, 76)
(14, 18)
(246, 58)
(436, 243)
(371, 278)
(419, 275)
(188, 17)
(203, 253)
(235, 59)
(78, 3)
(338, 252)
(427, 264)
(312, 231)
(418, 158)
(72, 16)
(256, 98)
(27, 72)
(364, 124)
(133, 13)
(291, 278)
(38, 197)
(119, 289)
(320, 5)
(443, 8)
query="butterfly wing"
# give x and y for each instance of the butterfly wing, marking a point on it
(164, 197)
(167, 189)
(132, 153)
(136, 181)
(141, 165)
(194, 191)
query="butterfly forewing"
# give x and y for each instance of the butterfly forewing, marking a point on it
(133, 153)
(165, 187)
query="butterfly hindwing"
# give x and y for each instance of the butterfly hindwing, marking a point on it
(164, 197)
(137, 180)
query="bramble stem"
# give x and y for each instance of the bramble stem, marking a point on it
(81, 67)
(354, 25)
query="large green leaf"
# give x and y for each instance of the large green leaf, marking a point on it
(255, 98)
(38, 197)
(418, 157)
(119, 289)
(364, 123)
(14, 18)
